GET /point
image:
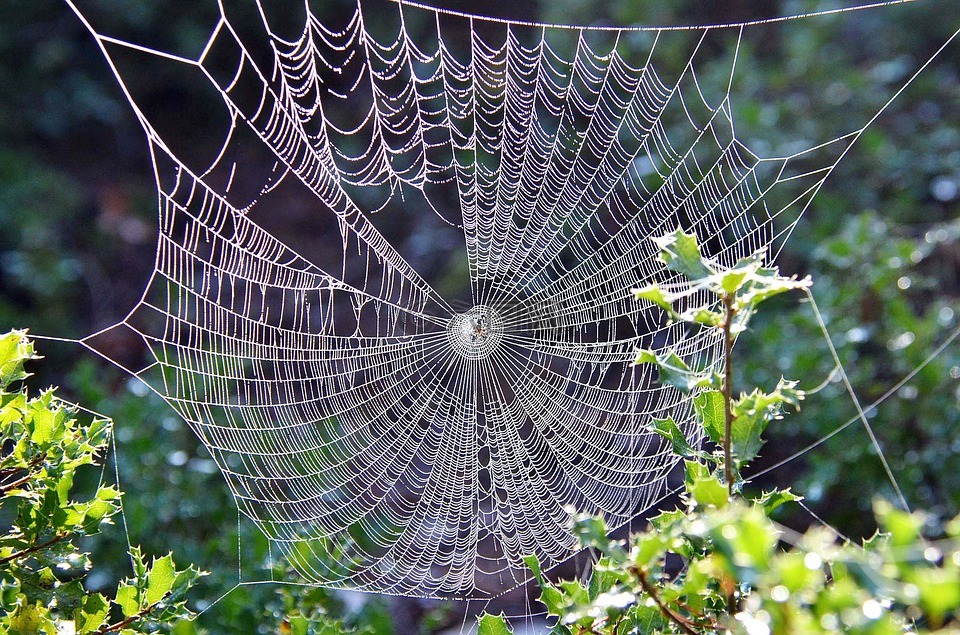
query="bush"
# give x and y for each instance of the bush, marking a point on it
(721, 563)
(44, 447)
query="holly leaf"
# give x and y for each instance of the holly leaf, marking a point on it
(710, 411)
(939, 590)
(766, 283)
(160, 579)
(745, 436)
(903, 527)
(681, 253)
(653, 293)
(668, 429)
(775, 498)
(672, 370)
(663, 521)
(127, 599)
(493, 625)
(732, 280)
(15, 349)
(92, 614)
(703, 486)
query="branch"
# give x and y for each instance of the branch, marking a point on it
(43, 545)
(34, 462)
(616, 625)
(684, 624)
(15, 484)
(112, 628)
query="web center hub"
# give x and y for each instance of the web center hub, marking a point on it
(476, 333)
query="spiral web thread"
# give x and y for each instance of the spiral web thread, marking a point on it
(382, 436)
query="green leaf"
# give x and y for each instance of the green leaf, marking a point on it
(653, 293)
(732, 280)
(709, 407)
(649, 549)
(298, 624)
(15, 349)
(92, 615)
(747, 540)
(493, 625)
(591, 531)
(701, 315)
(903, 527)
(64, 485)
(30, 619)
(939, 590)
(775, 498)
(533, 563)
(673, 370)
(160, 579)
(703, 486)
(127, 599)
(43, 421)
(745, 431)
(765, 284)
(669, 429)
(663, 521)
(139, 565)
(681, 253)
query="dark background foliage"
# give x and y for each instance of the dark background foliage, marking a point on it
(882, 242)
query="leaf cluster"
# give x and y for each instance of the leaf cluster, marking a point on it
(720, 563)
(43, 446)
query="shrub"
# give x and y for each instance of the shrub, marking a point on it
(43, 447)
(721, 563)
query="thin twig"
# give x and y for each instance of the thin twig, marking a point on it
(34, 462)
(15, 484)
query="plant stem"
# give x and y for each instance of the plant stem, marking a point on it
(729, 313)
(15, 484)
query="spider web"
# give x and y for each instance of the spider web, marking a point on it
(390, 437)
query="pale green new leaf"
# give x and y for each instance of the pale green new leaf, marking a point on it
(703, 486)
(681, 253)
(160, 579)
(669, 429)
(15, 349)
(653, 293)
(765, 284)
(673, 370)
(493, 625)
(775, 498)
(709, 407)
(127, 599)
